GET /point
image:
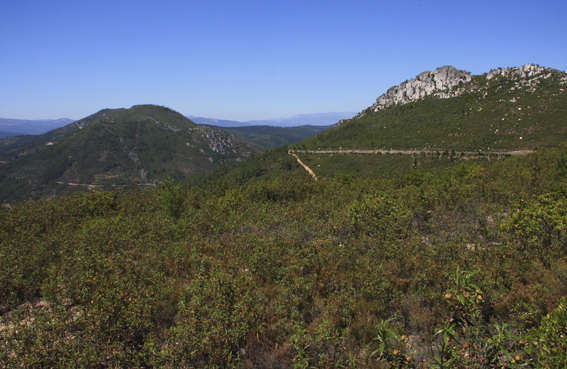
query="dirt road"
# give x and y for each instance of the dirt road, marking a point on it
(304, 166)
(403, 152)
(412, 152)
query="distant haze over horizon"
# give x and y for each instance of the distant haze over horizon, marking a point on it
(13, 127)
(347, 114)
(315, 119)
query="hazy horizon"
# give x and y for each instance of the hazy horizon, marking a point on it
(188, 116)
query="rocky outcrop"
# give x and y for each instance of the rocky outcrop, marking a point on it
(133, 156)
(221, 142)
(526, 72)
(163, 125)
(528, 75)
(447, 81)
(443, 82)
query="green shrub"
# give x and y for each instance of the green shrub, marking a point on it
(546, 345)
(172, 198)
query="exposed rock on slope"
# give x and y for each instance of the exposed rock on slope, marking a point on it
(506, 109)
(447, 81)
(220, 141)
(526, 71)
(527, 75)
(439, 82)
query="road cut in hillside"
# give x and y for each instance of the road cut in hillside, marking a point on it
(403, 152)
(413, 152)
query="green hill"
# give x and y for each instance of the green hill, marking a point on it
(503, 112)
(114, 147)
(492, 112)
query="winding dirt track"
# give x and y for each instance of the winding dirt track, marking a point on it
(304, 166)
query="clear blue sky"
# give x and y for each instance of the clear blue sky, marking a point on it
(245, 59)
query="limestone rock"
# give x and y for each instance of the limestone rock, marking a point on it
(524, 72)
(439, 82)
(221, 142)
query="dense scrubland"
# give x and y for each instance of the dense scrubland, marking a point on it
(460, 265)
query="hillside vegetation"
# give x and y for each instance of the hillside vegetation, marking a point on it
(494, 112)
(286, 272)
(268, 137)
(112, 149)
(386, 261)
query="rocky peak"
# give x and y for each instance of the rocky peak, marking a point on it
(527, 75)
(440, 82)
(524, 72)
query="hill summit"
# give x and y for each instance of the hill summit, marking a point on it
(439, 82)
(143, 144)
(502, 110)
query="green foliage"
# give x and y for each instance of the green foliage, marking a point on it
(172, 198)
(465, 339)
(268, 137)
(561, 168)
(380, 217)
(546, 345)
(216, 315)
(543, 218)
(261, 266)
(391, 347)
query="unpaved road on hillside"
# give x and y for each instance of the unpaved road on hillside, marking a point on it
(304, 166)
(403, 152)
(412, 152)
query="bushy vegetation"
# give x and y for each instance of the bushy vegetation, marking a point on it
(260, 266)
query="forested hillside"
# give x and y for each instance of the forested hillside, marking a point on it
(111, 150)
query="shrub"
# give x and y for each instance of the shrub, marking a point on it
(172, 198)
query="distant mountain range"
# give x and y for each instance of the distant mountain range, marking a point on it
(316, 119)
(15, 127)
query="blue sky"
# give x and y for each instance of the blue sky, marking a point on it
(244, 60)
